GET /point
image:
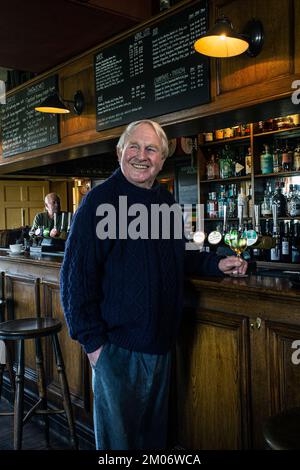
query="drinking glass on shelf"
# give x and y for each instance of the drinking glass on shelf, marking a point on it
(237, 241)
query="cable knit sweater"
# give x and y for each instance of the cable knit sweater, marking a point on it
(128, 292)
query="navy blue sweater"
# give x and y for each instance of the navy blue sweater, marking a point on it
(128, 292)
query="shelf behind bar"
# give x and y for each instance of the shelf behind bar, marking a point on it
(288, 132)
(224, 180)
(225, 141)
(272, 175)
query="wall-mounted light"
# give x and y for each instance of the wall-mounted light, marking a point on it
(222, 41)
(55, 104)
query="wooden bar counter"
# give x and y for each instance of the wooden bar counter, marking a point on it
(31, 282)
(233, 363)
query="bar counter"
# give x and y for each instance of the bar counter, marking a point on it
(233, 364)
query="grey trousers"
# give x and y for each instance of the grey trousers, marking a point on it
(131, 391)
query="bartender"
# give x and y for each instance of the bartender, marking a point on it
(47, 219)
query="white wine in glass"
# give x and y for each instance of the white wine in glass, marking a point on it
(237, 241)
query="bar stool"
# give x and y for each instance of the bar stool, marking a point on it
(5, 354)
(18, 331)
(282, 431)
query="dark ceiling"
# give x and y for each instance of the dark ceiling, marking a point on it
(36, 35)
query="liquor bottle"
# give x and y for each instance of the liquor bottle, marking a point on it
(221, 202)
(243, 201)
(212, 168)
(296, 165)
(267, 233)
(266, 207)
(287, 159)
(277, 159)
(226, 163)
(275, 250)
(286, 245)
(293, 204)
(248, 162)
(295, 242)
(279, 200)
(266, 161)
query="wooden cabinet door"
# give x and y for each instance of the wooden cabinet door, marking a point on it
(20, 201)
(275, 373)
(212, 379)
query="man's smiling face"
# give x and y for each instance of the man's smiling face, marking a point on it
(141, 158)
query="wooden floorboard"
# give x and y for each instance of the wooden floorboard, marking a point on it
(33, 433)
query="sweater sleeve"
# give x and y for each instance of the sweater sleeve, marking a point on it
(80, 281)
(202, 263)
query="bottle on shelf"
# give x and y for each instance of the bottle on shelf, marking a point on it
(266, 161)
(285, 244)
(226, 163)
(266, 206)
(275, 253)
(293, 203)
(295, 243)
(243, 201)
(296, 163)
(277, 159)
(279, 201)
(212, 168)
(232, 200)
(212, 205)
(287, 158)
(248, 162)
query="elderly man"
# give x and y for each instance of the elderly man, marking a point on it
(47, 219)
(122, 294)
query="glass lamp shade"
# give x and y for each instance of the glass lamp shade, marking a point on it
(52, 104)
(221, 41)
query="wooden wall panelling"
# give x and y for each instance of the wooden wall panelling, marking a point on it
(212, 365)
(284, 375)
(277, 56)
(79, 80)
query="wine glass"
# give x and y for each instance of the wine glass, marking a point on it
(237, 241)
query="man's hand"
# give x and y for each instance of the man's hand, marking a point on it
(233, 265)
(93, 356)
(54, 233)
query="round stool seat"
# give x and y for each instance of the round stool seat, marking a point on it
(282, 431)
(26, 328)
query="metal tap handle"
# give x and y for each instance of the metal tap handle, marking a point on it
(55, 220)
(240, 216)
(225, 218)
(274, 212)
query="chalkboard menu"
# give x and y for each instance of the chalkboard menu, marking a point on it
(23, 128)
(186, 184)
(156, 71)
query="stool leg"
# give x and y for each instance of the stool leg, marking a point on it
(19, 405)
(65, 390)
(10, 368)
(42, 384)
(2, 366)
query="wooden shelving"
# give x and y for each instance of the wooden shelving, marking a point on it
(227, 180)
